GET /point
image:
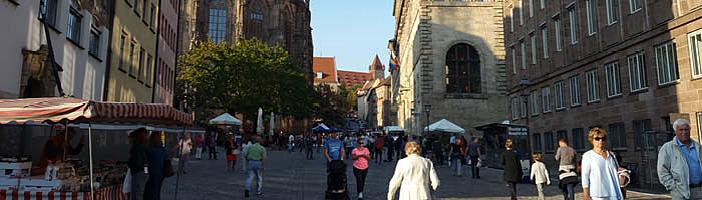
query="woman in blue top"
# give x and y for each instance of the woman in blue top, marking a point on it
(599, 169)
(156, 156)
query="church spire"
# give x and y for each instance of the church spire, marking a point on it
(376, 68)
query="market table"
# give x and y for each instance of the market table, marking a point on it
(107, 193)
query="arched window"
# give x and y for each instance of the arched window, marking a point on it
(462, 69)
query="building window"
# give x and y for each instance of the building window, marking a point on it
(637, 72)
(548, 140)
(535, 109)
(591, 12)
(152, 13)
(614, 87)
(141, 56)
(137, 6)
(634, 6)
(218, 24)
(696, 53)
(641, 127)
(557, 32)
(149, 68)
(544, 40)
(515, 108)
(531, 8)
(533, 48)
(667, 63)
(463, 69)
(543, 4)
(612, 11)
(578, 139)
(145, 6)
(514, 60)
(320, 75)
(573, 16)
(47, 11)
(523, 54)
(120, 53)
(523, 109)
(511, 21)
(75, 20)
(617, 135)
(132, 53)
(559, 93)
(521, 12)
(537, 142)
(94, 42)
(575, 90)
(546, 98)
(593, 90)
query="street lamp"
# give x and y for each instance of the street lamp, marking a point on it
(427, 109)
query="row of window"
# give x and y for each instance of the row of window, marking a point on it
(166, 30)
(140, 9)
(667, 71)
(166, 76)
(134, 60)
(48, 13)
(616, 136)
(612, 8)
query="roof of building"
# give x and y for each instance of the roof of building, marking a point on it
(351, 78)
(327, 67)
(376, 64)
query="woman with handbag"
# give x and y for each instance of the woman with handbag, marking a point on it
(156, 156)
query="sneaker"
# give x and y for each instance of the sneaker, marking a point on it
(259, 193)
(246, 193)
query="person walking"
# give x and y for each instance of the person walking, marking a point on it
(291, 141)
(438, 151)
(349, 145)
(599, 169)
(457, 154)
(379, 144)
(309, 143)
(244, 149)
(682, 177)
(156, 156)
(567, 176)
(539, 175)
(513, 169)
(198, 146)
(474, 156)
(333, 148)
(229, 149)
(137, 163)
(186, 146)
(256, 158)
(211, 143)
(390, 144)
(414, 175)
(360, 156)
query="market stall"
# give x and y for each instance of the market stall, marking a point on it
(77, 179)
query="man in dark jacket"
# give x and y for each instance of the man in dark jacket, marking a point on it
(137, 162)
(513, 169)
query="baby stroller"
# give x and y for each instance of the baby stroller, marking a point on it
(336, 181)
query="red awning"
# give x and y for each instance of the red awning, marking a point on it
(55, 109)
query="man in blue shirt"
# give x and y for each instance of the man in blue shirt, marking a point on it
(333, 148)
(681, 176)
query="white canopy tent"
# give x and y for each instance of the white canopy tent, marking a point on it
(393, 129)
(225, 119)
(444, 125)
(322, 126)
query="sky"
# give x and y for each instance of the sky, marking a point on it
(352, 31)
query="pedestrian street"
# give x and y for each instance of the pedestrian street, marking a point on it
(291, 177)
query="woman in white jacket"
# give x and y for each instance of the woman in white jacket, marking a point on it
(539, 174)
(414, 175)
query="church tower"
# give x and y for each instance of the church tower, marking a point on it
(376, 68)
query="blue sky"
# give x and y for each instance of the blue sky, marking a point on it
(352, 31)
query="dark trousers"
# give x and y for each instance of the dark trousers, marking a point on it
(378, 156)
(153, 187)
(309, 153)
(138, 184)
(439, 156)
(360, 178)
(568, 191)
(390, 152)
(512, 189)
(213, 152)
(474, 169)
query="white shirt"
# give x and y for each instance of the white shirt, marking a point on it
(186, 145)
(600, 175)
(416, 178)
(539, 173)
(290, 139)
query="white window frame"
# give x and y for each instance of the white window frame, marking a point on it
(511, 22)
(695, 43)
(557, 32)
(531, 8)
(573, 20)
(614, 87)
(532, 37)
(575, 96)
(514, 60)
(544, 40)
(593, 86)
(634, 6)
(524, 104)
(558, 92)
(521, 12)
(591, 14)
(612, 11)
(535, 109)
(515, 108)
(637, 72)
(543, 4)
(523, 58)
(546, 99)
(667, 63)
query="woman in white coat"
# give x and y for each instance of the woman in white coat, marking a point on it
(414, 175)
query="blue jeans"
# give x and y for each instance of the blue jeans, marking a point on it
(569, 191)
(254, 170)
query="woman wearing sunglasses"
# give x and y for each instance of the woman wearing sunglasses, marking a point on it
(360, 156)
(599, 169)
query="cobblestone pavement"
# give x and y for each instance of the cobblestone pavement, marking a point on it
(291, 177)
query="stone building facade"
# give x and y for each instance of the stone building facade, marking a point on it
(276, 22)
(629, 67)
(451, 59)
(164, 83)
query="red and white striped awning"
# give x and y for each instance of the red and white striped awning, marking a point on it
(56, 109)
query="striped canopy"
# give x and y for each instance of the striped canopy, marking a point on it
(56, 109)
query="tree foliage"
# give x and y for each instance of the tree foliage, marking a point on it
(243, 77)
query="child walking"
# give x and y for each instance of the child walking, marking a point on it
(539, 174)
